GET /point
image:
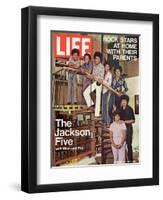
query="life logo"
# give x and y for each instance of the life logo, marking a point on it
(64, 43)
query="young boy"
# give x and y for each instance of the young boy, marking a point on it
(98, 74)
(88, 66)
(119, 84)
(106, 95)
(74, 62)
(118, 139)
(127, 117)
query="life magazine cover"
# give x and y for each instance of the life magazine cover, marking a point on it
(94, 99)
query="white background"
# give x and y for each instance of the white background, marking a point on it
(10, 79)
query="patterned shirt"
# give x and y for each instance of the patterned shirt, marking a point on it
(118, 84)
(98, 71)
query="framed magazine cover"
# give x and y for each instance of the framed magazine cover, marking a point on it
(90, 99)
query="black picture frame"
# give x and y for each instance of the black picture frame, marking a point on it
(29, 98)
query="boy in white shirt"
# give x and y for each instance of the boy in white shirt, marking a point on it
(106, 95)
(118, 139)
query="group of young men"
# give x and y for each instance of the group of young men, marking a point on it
(115, 111)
